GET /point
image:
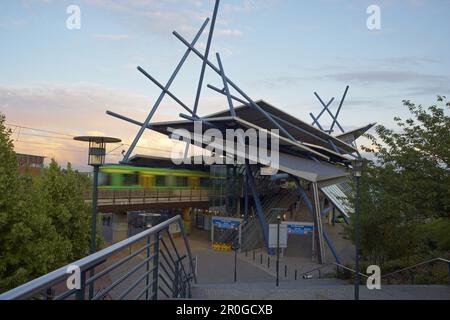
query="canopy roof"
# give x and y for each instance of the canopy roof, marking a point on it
(300, 130)
(351, 136)
(224, 123)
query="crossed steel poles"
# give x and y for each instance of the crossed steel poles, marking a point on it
(326, 107)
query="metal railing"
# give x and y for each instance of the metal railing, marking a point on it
(144, 196)
(385, 277)
(410, 269)
(150, 265)
(338, 266)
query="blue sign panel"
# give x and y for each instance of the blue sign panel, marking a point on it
(226, 224)
(300, 230)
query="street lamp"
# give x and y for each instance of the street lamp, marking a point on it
(357, 173)
(97, 153)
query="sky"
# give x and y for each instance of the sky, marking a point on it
(57, 82)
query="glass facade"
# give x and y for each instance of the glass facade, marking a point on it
(226, 190)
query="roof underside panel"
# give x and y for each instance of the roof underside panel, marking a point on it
(224, 123)
(307, 132)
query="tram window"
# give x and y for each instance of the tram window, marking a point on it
(130, 179)
(181, 181)
(104, 179)
(204, 182)
(160, 181)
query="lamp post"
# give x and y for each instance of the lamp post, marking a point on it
(357, 172)
(96, 158)
(97, 154)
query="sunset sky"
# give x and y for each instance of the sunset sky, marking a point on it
(62, 81)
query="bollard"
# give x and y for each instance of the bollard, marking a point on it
(268, 262)
(261, 258)
(254, 257)
(285, 271)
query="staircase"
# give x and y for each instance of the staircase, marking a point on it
(271, 196)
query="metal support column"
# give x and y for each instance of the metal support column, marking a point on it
(317, 236)
(259, 208)
(318, 224)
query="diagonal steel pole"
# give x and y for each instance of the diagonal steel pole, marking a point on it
(336, 148)
(166, 91)
(161, 97)
(325, 107)
(316, 121)
(232, 84)
(208, 47)
(339, 110)
(225, 87)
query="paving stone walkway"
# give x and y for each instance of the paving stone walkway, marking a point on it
(316, 290)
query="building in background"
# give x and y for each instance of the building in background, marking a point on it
(30, 165)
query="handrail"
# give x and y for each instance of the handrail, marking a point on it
(416, 266)
(383, 276)
(42, 283)
(332, 264)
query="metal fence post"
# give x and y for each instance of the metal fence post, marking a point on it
(80, 295)
(147, 280)
(176, 280)
(156, 267)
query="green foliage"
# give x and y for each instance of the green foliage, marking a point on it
(405, 190)
(44, 223)
(61, 192)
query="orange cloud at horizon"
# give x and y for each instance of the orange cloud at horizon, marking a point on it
(44, 120)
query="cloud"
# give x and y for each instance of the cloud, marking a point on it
(248, 5)
(76, 110)
(111, 37)
(229, 33)
(79, 109)
(416, 81)
(385, 77)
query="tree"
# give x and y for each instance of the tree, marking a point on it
(62, 193)
(44, 223)
(28, 241)
(405, 190)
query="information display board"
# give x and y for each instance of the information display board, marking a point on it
(300, 229)
(226, 223)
